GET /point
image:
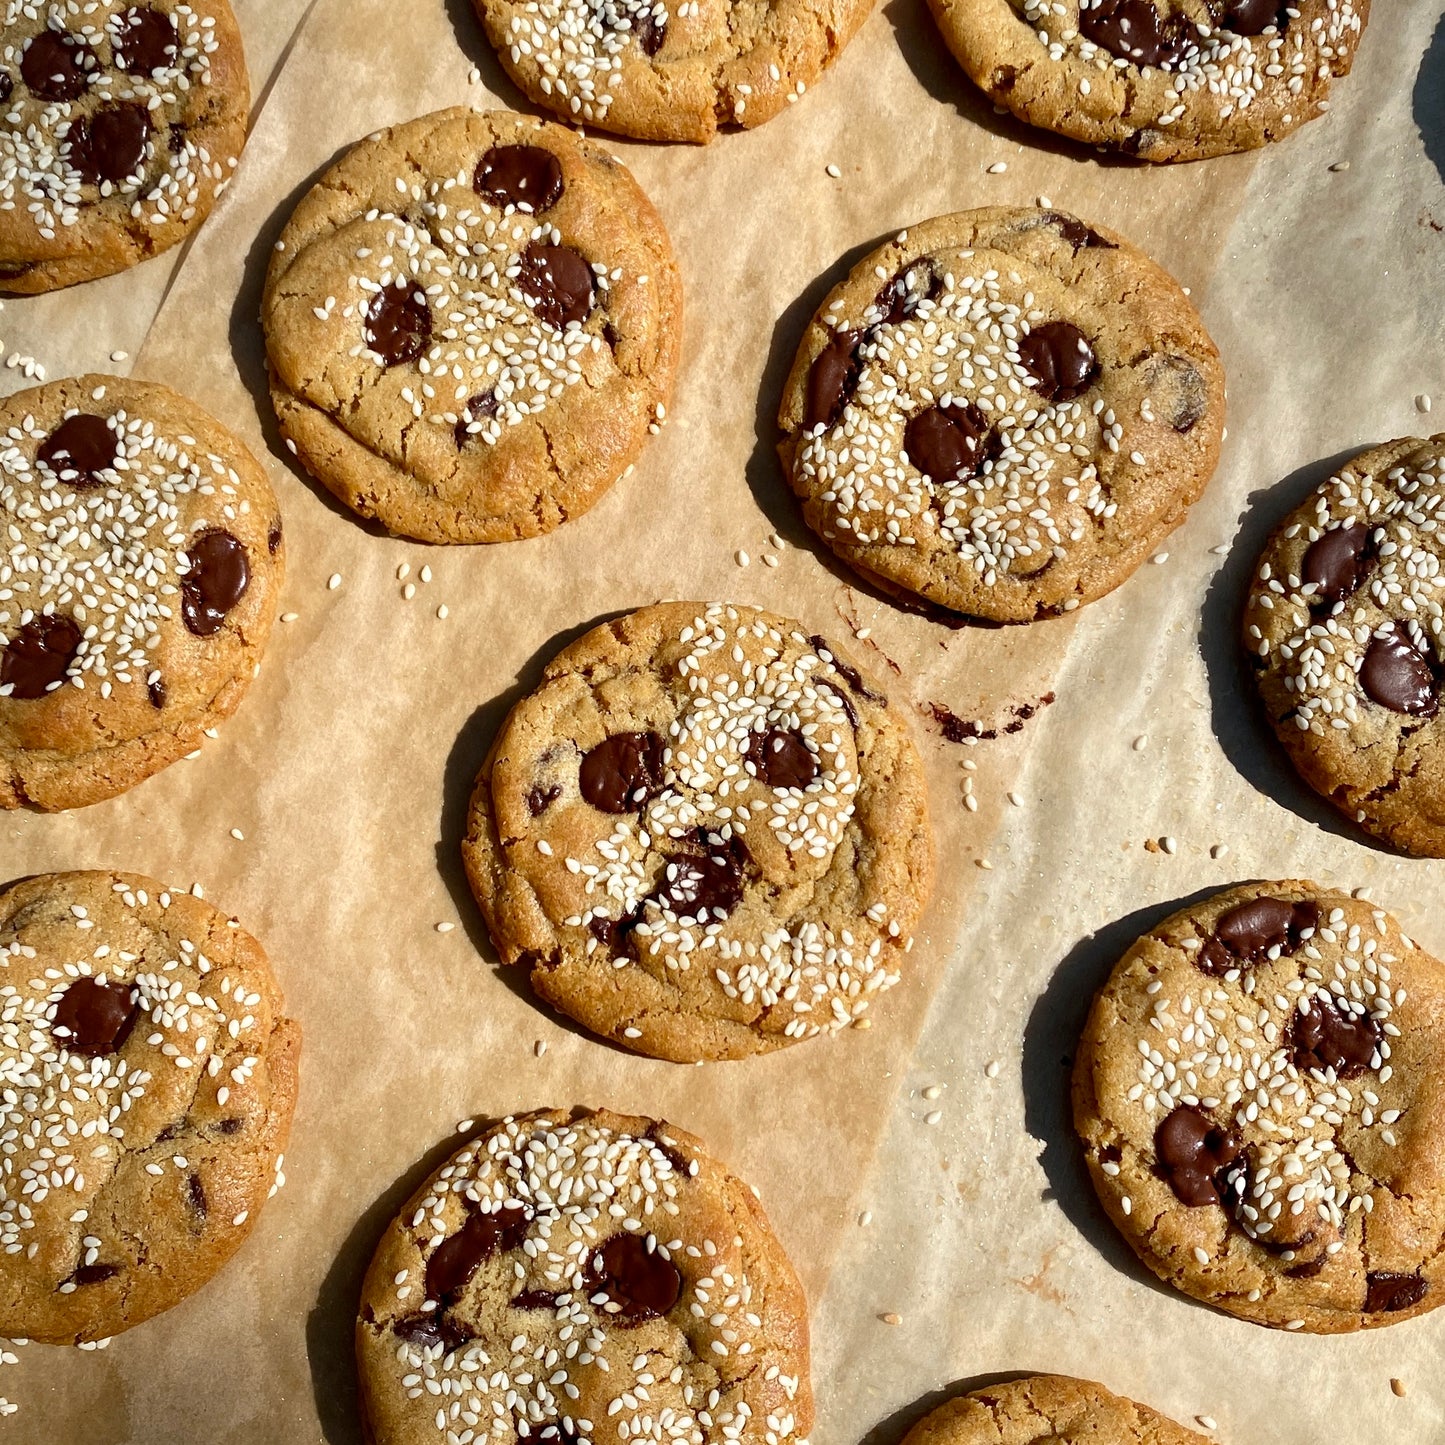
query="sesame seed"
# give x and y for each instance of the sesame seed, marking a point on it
(238, 835)
(445, 927)
(1140, 743)
(742, 558)
(997, 168)
(1397, 1388)
(1422, 402)
(1219, 850)
(834, 171)
(891, 1318)
(991, 1069)
(333, 582)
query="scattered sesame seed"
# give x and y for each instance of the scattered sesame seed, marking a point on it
(865, 1219)
(118, 355)
(1422, 402)
(834, 172)
(933, 1091)
(1169, 845)
(409, 591)
(333, 582)
(540, 1047)
(1340, 166)
(238, 835)
(1140, 743)
(997, 168)
(742, 558)
(1017, 801)
(1219, 850)
(933, 1117)
(891, 1318)
(445, 927)
(1206, 1422)
(289, 616)
(991, 1069)
(1397, 1388)
(1159, 558)
(442, 612)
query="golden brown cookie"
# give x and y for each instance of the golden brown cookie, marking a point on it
(120, 124)
(704, 832)
(1261, 1094)
(1343, 628)
(149, 1078)
(668, 71)
(473, 321)
(142, 558)
(1164, 80)
(1002, 412)
(1042, 1408)
(583, 1277)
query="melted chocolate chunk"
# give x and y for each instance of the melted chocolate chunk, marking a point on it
(557, 284)
(781, 759)
(1134, 30)
(1337, 563)
(95, 1018)
(535, 1299)
(398, 323)
(110, 144)
(55, 64)
(1246, 934)
(832, 379)
(7, 85)
(146, 41)
(94, 1273)
(196, 1196)
(650, 32)
(80, 449)
(482, 405)
(217, 581)
(273, 538)
(622, 772)
(639, 1283)
(1193, 1152)
(706, 886)
(1059, 360)
(948, 443)
(1397, 675)
(1386, 1292)
(430, 1328)
(1254, 17)
(156, 691)
(613, 933)
(1075, 232)
(455, 1260)
(1329, 1038)
(539, 799)
(850, 675)
(38, 656)
(519, 176)
(901, 297)
(557, 1432)
(231, 1126)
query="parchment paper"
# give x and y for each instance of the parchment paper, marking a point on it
(348, 767)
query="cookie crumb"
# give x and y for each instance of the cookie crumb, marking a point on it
(1397, 1388)
(891, 1319)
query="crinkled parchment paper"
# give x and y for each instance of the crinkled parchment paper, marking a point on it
(348, 768)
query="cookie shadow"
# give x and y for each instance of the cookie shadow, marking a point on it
(472, 41)
(1429, 99)
(1237, 717)
(1051, 1038)
(892, 1428)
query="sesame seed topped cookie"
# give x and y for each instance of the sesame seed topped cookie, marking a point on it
(1260, 1090)
(473, 321)
(1002, 412)
(668, 70)
(120, 124)
(584, 1277)
(704, 833)
(1164, 80)
(149, 1077)
(140, 560)
(1344, 628)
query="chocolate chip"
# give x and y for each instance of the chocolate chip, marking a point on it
(80, 449)
(1329, 1037)
(273, 538)
(398, 323)
(231, 1126)
(948, 443)
(156, 691)
(94, 1273)
(535, 1299)
(1397, 675)
(95, 1018)
(145, 41)
(110, 144)
(1193, 1151)
(1254, 17)
(901, 297)
(650, 30)
(196, 1196)
(1386, 1292)
(1075, 232)
(38, 656)
(638, 1282)
(216, 582)
(622, 772)
(7, 85)
(832, 379)
(705, 886)
(455, 1260)
(1134, 30)
(613, 933)
(430, 1328)
(557, 283)
(1246, 934)
(54, 65)
(1058, 359)
(539, 799)
(519, 176)
(781, 759)
(482, 405)
(1336, 564)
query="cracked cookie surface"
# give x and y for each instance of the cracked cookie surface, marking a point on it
(587, 1277)
(120, 124)
(1344, 630)
(1002, 412)
(1260, 1090)
(668, 71)
(149, 1078)
(473, 321)
(142, 558)
(1164, 80)
(705, 833)
(1042, 1408)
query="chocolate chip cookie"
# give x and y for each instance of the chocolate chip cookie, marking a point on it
(1343, 627)
(142, 561)
(1260, 1090)
(473, 321)
(1164, 80)
(583, 1277)
(1014, 1412)
(704, 833)
(120, 124)
(149, 1081)
(1003, 412)
(668, 71)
